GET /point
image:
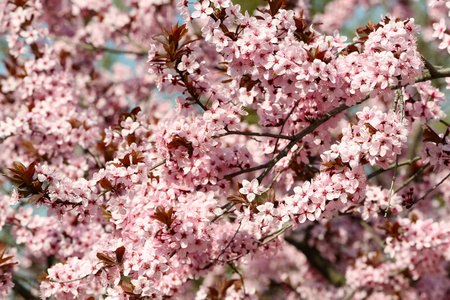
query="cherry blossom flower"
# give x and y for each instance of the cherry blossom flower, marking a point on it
(202, 10)
(188, 63)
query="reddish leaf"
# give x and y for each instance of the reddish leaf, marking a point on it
(44, 277)
(178, 141)
(372, 129)
(35, 198)
(392, 229)
(8, 265)
(23, 178)
(5, 259)
(106, 259)
(127, 287)
(429, 135)
(275, 6)
(236, 199)
(126, 160)
(119, 254)
(163, 216)
(161, 38)
(105, 184)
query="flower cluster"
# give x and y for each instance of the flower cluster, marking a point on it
(281, 141)
(376, 140)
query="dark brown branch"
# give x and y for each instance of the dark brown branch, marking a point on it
(246, 171)
(284, 123)
(22, 291)
(445, 123)
(321, 264)
(429, 66)
(277, 136)
(190, 88)
(301, 135)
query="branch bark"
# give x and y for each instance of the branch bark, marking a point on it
(321, 264)
(22, 290)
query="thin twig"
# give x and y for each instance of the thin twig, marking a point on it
(90, 47)
(430, 190)
(282, 170)
(408, 181)
(392, 166)
(157, 165)
(275, 178)
(349, 296)
(271, 236)
(286, 137)
(226, 209)
(391, 189)
(246, 171)
(375, 236)
(229, 243)
(190, 88)
(96, 158)
(132, 41)
(71, 280)
(274, 234)
(301, 135)
(283, 124)
(398, 100)
(445, 123)
(233, 267)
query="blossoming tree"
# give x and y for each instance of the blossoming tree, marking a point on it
(293, 164)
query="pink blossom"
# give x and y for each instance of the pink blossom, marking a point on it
(202, 10)
(188, 63)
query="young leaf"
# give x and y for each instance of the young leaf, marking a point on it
(429, 135)
(105, 184)
(106, 259)
(119, 254)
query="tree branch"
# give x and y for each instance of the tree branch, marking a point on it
(274, 234)
(412, 178)
(392, 166)
(277, 136)
(21, 290)
(321, 264)
(246, 171)
(430, 190)
(90, 47)
(301, 135)
(157, 165)
(284, 123)
(440, 73)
